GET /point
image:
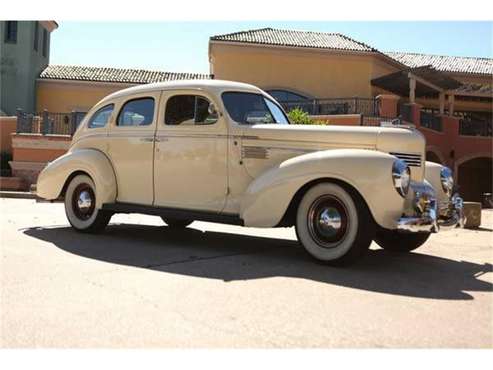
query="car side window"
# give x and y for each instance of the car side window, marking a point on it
(189, 110)
(101, 117)
(137, 112)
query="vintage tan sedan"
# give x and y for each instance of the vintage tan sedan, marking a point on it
(226, 152)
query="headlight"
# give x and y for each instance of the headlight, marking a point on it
(447, 180)
(401, 176)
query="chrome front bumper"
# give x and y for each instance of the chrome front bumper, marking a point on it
(430, 217)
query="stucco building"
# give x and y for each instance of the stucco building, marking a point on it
(448, 98)
(24, 54)
(318, 65)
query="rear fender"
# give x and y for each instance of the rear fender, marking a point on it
(53, 178)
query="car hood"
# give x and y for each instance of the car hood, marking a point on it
(403, 142)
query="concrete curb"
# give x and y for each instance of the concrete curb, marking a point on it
(17, 194)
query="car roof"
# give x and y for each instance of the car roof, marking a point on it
(217, 85)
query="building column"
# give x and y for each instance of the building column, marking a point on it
(412, 90)
(451, 101)
(441, 99)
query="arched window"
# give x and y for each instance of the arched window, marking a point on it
(286, 95)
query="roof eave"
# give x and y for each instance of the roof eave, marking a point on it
(383, 56)
(265, 45)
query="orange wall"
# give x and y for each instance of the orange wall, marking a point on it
(66, 96)
(7, 127)
(39, 148)
(320, 74)
(339, 119)
(36, 155)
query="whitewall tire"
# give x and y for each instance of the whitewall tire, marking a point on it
(334, 224)
(80, 206)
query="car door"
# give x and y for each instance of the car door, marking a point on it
(131, 147)
(190, 168)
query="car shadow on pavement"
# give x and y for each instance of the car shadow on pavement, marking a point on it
(232, 257)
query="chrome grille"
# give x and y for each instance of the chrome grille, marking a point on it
(412, 160)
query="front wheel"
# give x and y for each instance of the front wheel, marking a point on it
(80, 206)
(334, 224)
(398, 242)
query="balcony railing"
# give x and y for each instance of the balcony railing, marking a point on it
(48, 123)
(405, 112)
(364, 106)
(431, 119)
(475, 124)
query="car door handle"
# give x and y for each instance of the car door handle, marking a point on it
(147, 139)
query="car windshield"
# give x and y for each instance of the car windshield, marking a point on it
(251, 108)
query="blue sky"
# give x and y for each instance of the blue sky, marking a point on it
(182, 46)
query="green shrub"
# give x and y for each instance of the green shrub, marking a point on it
(298, 116)
(5, 157)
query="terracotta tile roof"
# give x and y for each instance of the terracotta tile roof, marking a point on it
(445, 63)
(117, 75)
(472, 88)
(323, 40)
(306, 39)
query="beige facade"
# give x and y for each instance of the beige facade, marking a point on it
(68, 96)
(310, 72)
(324, 73)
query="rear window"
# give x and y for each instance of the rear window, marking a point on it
(251, 108)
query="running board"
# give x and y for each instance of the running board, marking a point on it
(223, 218)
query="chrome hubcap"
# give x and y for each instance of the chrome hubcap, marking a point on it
(85, 201)
(328, 221)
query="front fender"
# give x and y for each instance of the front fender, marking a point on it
(432, 175)
(369, 172)
(93, 162)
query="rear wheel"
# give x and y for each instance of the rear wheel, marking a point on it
(176, 223)
(398, 242)
(333, 224)
(80, 206)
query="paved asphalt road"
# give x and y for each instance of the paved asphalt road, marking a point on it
(142, 285)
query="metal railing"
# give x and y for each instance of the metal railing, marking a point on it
(431, 119)
(405, 112)
(475, 124)
(48, 123)
(378, 120)
(365, 106)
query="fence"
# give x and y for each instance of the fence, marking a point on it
(431, 119)
(470, 123)
(405, 112)
(364, 106)
(378, 120)
(475, 124)
(48, 123)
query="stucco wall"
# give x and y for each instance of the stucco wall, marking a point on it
(7, 127)
(31, 152)
(20, 65)
(321, 74)
(66, 96)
